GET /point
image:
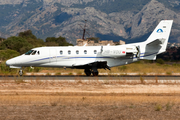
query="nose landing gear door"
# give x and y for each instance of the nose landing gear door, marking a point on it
(52, 55)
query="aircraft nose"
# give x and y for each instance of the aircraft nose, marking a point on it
(10, 62)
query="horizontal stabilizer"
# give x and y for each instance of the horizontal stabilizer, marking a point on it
(157, 42)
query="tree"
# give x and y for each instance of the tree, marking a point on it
(7, 54)
(27, 34)
(60, 41)
(51, 39)
(32, 39)
(18, 44)
(35, 42)
(160, 61)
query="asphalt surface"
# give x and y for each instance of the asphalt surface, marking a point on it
(102, 77)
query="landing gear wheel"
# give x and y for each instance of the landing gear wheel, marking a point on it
(95, 73)
(20, 72)
(87, 72)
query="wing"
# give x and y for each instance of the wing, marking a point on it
(97, 64)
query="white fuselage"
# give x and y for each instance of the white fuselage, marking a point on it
(75, 56)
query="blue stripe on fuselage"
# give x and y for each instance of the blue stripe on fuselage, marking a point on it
(39, 59)
(85, 57)
(66, 57)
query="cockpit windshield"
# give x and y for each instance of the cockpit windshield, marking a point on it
(29, 52)
(33, 52)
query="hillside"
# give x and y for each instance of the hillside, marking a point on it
(129, 20)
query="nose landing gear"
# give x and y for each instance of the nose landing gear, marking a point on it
(20, 72)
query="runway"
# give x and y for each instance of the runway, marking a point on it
(128, 78)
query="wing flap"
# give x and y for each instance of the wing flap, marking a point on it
(98, 64)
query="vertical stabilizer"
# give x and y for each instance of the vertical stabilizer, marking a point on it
(157, 41)
(161, 34)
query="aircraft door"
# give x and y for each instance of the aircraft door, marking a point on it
(53, 55)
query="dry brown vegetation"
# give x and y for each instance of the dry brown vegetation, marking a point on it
(141, 67)
(92, 100)
(89, 107)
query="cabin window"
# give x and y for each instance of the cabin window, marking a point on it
(61, 52)
(38, 53)
(95, 51)
(29, 52)
(85, 51)
(69, 52)
(77, 51)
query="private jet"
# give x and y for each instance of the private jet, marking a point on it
(92, 58)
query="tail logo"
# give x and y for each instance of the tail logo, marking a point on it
(159, 31)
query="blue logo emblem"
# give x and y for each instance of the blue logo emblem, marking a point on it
(159, 31)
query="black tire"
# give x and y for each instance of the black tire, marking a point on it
(95, 73)
(20, 72)
(87, 72)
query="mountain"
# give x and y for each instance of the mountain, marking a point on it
(129, 20)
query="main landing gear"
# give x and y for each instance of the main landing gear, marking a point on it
(95, 73)
(93, 68)
(88, 72)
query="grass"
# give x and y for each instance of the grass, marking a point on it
(59, 73)
(141, 67)
(50, 99)
(168, 73)
(48, 74)
(54, 103)
(87, 107)
(158, 107)
(83, 99)
(55, 100)
(70, 73)
(142, 80)
(169, 106)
